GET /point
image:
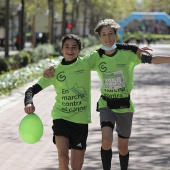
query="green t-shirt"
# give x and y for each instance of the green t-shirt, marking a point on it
(72, 84)
(116, 75)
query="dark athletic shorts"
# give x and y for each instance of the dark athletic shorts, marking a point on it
(123, 121)
(75, 132)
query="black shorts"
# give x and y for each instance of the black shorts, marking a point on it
(75, 132)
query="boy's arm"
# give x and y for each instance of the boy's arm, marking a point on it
(134, 48)
(28, 100)
(124, 46)
(49, 72)
(160, 59)
(155, 59)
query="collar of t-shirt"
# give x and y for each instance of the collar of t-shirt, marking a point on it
(64, 62)
(111, 55)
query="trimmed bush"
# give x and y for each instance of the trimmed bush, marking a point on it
(3, 66)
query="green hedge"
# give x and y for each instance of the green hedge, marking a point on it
(23, 58)
(16, 78)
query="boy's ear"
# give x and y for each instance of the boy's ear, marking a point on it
(99, 38)
(79, 52)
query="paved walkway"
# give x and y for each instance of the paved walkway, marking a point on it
(150, 139)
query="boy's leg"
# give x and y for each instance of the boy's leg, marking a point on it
(124, 125)
(107, 124)
(106, 156)
(62, 145)
(123, 153)
(78, 140)
(106, 149)
(77, 159)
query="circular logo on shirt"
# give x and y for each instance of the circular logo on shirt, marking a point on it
(60, 76)
(102, 67)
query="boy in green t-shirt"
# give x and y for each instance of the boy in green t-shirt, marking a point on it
(72, 110)
(115, 69)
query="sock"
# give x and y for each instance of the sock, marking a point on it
(106, 156)
(124, 160)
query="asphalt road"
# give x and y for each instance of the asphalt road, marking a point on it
(149, 143)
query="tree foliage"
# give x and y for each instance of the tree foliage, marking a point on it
(154, 6)
(117, 9)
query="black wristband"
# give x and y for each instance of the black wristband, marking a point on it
(146, 58)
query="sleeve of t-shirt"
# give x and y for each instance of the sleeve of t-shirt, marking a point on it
(30, 92)
(45, 82)
(91, 59)
(130, 47)
(135, 59)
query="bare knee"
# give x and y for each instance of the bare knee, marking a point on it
(123, 146)
(63, 160)
(123, 150)
(63, 157)
(77, 159)
(106, 143)
(75, 167)
(107, 138)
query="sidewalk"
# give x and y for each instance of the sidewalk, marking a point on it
(149, 143)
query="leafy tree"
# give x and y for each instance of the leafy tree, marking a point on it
(91, 10)
(154, 6)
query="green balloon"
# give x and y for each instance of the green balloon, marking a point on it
(31, 128)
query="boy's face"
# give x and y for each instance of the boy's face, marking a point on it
(107, 36)
(70, 50)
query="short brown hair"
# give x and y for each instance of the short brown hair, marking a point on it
(104, 23)
(72, 37)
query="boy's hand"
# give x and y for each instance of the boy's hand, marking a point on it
(49, 72)
(143, 50)
(29, 108)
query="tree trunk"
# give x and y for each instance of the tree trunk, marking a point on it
(7, 29)
(64, 18)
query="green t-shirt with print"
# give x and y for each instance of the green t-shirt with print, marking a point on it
(116, 75)
(72, 84)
